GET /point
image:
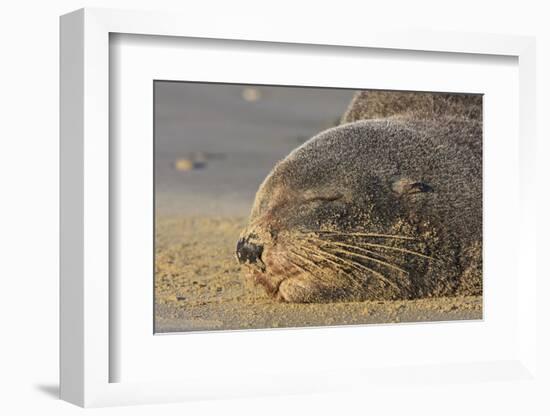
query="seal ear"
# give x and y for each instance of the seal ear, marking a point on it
(407, 186)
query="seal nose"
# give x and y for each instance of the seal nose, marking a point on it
(248, 252)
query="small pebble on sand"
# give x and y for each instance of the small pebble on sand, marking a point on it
(184, 165)
(251, 94)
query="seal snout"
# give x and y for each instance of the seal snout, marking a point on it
(249, 251)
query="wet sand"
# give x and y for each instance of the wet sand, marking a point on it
(199, 286)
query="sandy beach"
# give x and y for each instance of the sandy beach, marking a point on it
(199, 286)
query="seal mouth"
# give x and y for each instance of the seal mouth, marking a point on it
(270, 283)
(278, 270)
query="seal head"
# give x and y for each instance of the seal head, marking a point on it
(384, 208)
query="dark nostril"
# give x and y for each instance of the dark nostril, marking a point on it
(248, 252)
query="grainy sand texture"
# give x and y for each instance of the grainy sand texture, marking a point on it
(199, 286)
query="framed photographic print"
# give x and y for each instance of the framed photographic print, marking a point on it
(349, 225)
(241, 216)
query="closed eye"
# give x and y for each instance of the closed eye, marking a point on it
(325, 198)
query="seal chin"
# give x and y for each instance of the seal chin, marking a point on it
(271, 283)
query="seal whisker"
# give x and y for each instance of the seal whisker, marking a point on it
(400, 249)
(357, 234)
(382, 246)
(323, 273)
(294, 264)
(356, 264)
(355, 247)
(368, 258)
(305, 259)
(339, 267)
(351, 253)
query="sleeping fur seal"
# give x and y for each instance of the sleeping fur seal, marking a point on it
(387, 205)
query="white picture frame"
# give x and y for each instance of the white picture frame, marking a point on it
(86, 333)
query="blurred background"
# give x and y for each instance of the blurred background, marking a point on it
(215, 143)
